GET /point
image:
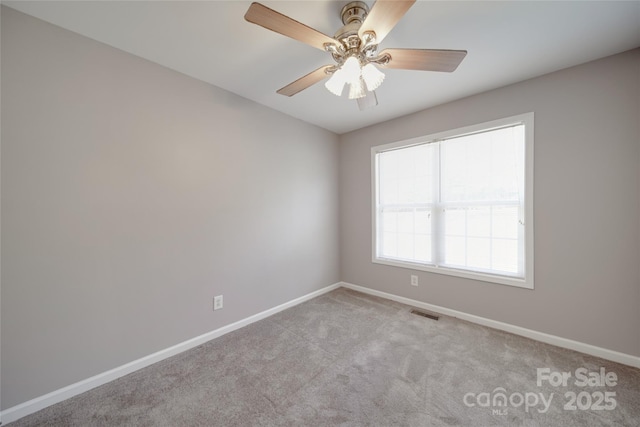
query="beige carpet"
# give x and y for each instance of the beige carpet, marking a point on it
(350, 359)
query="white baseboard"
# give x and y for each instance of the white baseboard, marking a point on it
(615, 356)
(16, 412)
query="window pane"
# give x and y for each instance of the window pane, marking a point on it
(455, 253)
(423, 221)
(406, 180)
(389, 245)
(406, 175)
(389, 221)
(483, 238)
(479, 221)
(483, 167)
(405, 221)
(479, 253)
(406, 234)
(455, 221)
(423, 248)
(505, 221)
(505, 255)
(405, 246)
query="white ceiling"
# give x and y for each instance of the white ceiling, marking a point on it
(506, 42)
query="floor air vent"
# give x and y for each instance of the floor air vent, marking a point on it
(425, 314)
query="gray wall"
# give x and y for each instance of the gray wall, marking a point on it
(131, 195)
(587, 205)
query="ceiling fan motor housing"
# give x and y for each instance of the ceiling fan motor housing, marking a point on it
(353, 15)
(354, 11)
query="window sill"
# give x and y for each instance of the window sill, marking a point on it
(526, 283)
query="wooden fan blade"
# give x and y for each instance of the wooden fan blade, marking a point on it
(282, 24)
(383, 16)
(304, 82)
(424, 59)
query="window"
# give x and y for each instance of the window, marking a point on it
(458, 203)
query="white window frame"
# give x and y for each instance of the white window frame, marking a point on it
(527, 282)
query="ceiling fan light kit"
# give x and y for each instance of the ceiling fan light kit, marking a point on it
(354, 55)
(354, 49)
(372, 77)
(359, 78)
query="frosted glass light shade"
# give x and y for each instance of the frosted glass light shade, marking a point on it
(372, 77)
(357, 89)
(336, 82)
(351, 69)
(360, 79)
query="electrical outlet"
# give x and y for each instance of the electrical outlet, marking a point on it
(414, 280)
(217, 302)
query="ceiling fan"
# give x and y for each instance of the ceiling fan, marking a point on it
(354, 48)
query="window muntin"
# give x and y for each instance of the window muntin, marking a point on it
(456, 202)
